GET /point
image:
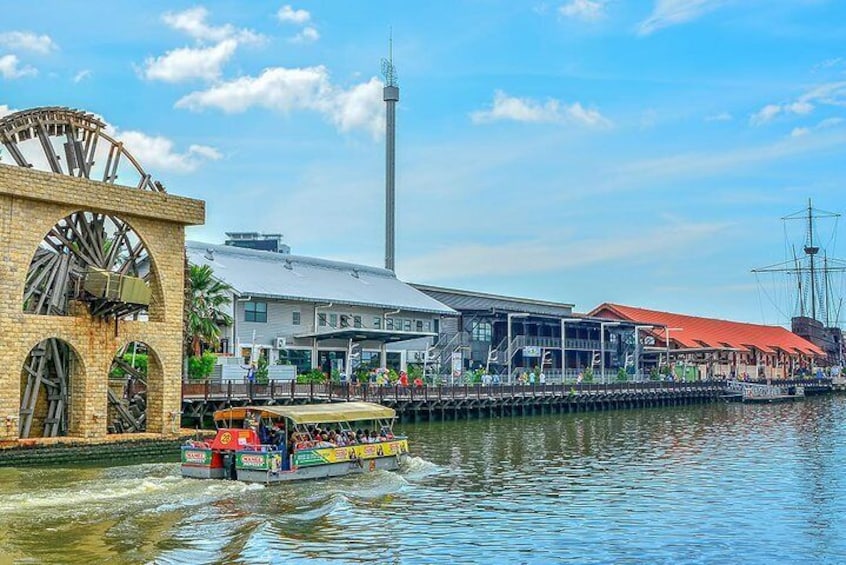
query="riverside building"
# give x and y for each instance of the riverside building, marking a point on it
(700, 348)
(304, 313)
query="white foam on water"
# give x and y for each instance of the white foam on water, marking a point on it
(417, 468)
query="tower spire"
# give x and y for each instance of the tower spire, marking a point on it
(390, 94)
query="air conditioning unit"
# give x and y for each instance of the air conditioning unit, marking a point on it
(281, 342)
(418, 356)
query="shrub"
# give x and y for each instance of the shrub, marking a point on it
(200, 367)
(588, 375)
(313, 376)
(262, 372)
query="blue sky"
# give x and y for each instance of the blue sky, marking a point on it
(639, 152)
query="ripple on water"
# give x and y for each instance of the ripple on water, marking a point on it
(699, 484)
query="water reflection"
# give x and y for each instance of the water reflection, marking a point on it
(720, 483)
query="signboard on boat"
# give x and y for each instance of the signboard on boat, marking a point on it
(329, 455)
(251, 460)
(197, 457)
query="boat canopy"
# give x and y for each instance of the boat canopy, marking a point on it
(312, 413)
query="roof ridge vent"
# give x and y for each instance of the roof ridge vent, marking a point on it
(289, 265)
(355, 274)
(209, 254)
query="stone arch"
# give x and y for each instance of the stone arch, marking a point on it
(52, 375)
(82, 240)
(136, 378)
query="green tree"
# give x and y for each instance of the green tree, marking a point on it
(205, 316)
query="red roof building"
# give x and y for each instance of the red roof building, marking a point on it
(721, 347)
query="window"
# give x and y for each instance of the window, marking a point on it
(333, 320)
(299, 357)
(428, 326)
(255, 312)
(321, 319)
(407, 325)
(482, 332)
(389, 324)
(419, 325)
(357, 321)
(345, 321)
(295, 318)
(377, 322)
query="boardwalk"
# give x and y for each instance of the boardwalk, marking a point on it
(464, 401)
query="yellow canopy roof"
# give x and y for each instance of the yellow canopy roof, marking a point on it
(313, 413)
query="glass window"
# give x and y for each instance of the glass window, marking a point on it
(296, 318)
(333, 320)
(255, 312)
(345, 321)
(299, 357)
(357, 321)
(321, 319)
(377, 322)
(389, 325)
(419, 325)
(406, 325)
(482, 331)
(428, 326)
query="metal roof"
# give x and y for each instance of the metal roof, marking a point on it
(467, 300)
(695, 332)
(274, 275)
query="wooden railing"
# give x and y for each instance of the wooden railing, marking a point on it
(240, 390)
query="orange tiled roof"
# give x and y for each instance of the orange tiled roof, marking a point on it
(710, 332)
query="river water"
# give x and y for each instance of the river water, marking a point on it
(705, 484)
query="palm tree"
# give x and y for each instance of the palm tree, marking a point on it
(208, 296)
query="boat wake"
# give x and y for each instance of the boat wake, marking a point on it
(417, 468)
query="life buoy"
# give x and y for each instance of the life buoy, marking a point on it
(372, 465)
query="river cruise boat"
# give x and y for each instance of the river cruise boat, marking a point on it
(273, 444)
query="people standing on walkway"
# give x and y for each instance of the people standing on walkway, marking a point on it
(542, 378)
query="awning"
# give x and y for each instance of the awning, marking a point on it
(312, 413)
(366, 334)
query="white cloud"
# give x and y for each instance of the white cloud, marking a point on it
(828, 94)
(798, 132)
(307, 35)
(188, 63)
(528, 110)
(720, 117)
(765, 114)
(193, 22)
(288, 14)
(587, 10)
(81, 75)
(9, 68)
(157, 153)
(286, 90)
(5, 110)
(668, 13)
(27, 41)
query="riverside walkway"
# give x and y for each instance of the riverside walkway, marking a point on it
(429, 403)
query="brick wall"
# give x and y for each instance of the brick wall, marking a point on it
(31, 203)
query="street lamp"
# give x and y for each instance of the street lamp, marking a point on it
(637, 348)
(510, 352)
(564, 345)
(602, 326)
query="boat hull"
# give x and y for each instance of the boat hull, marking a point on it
(329, 470)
